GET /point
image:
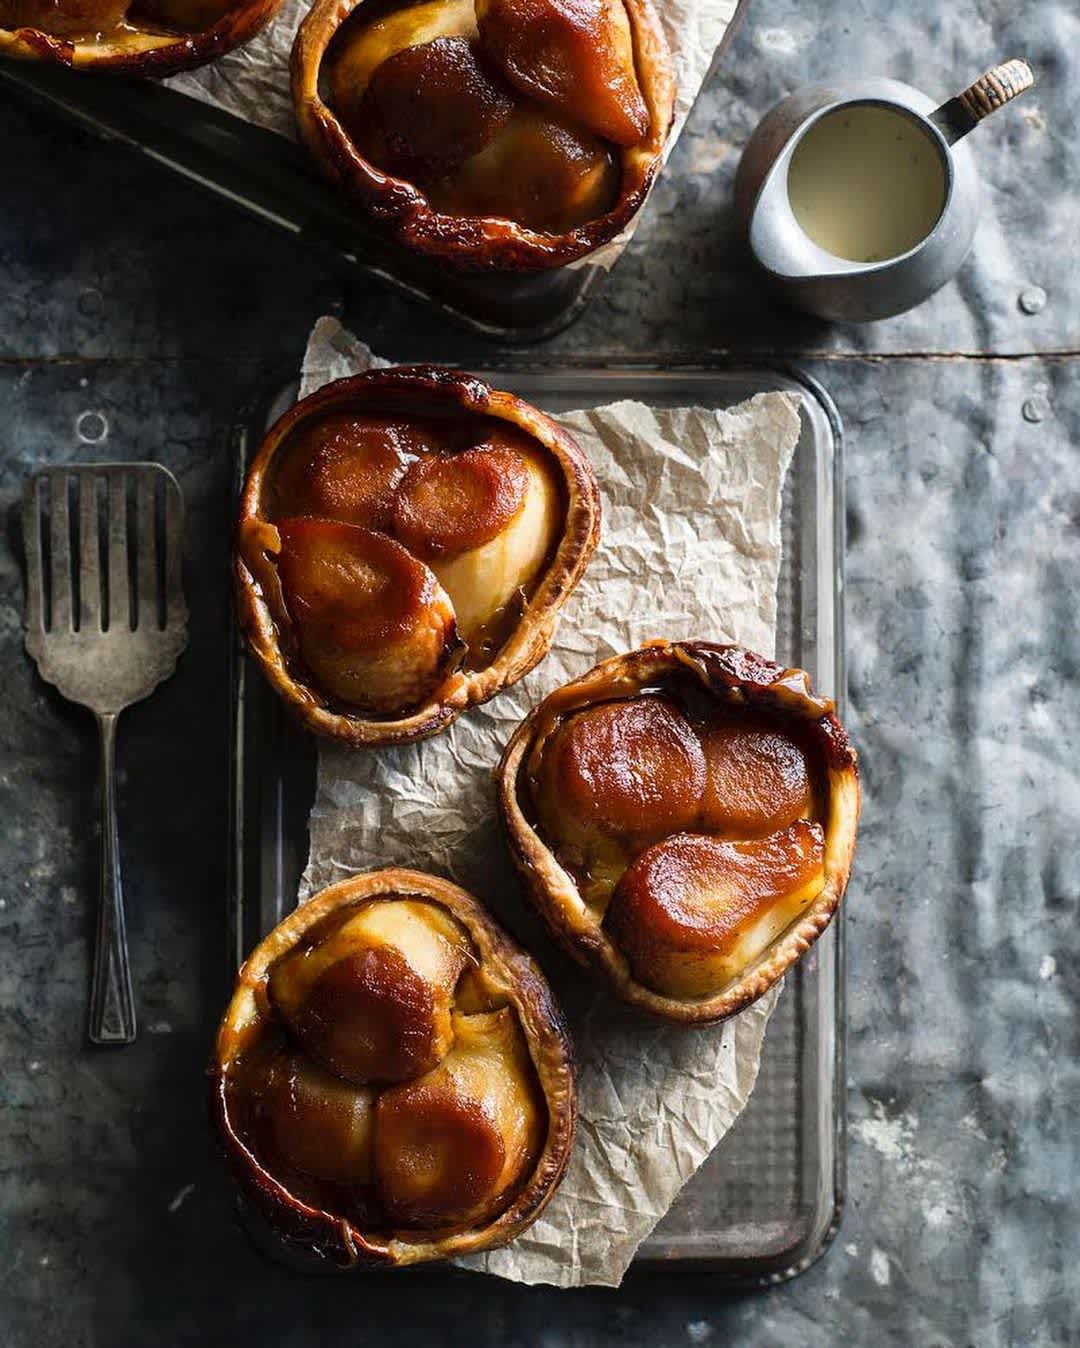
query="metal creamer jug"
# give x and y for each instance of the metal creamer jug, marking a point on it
(858, 197)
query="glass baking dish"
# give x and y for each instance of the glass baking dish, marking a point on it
(768, 1201)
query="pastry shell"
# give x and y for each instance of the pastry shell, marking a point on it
(401, 389)
(736, 675)
(505, 964)
(137, 51)
(478, 242)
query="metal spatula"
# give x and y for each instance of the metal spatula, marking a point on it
(105, 622)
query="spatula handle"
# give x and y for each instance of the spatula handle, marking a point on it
(112, 1003)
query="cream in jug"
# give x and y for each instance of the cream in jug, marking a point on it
(866, 183)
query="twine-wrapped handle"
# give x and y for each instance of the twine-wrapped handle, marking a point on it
(1000, 85)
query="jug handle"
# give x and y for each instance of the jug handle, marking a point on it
(1000, 85)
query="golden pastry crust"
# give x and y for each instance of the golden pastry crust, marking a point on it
(140, 49)
(415, 391)
(486, 242)
(740, 679)
(509, 975)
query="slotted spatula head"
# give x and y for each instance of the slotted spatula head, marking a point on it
(105, 612)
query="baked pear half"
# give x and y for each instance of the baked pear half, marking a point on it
(684, 818)
(393, 1080)
(406, 540)
(133, 37)
(494, 134)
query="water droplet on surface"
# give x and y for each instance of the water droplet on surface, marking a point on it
(1035, 410)
(1032, 300)
(91, 427)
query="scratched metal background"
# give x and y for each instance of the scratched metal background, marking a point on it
(134, 316)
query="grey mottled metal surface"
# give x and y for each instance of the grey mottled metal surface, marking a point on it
(130, 296)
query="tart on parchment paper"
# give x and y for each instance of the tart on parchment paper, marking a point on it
(392, 1080)
(684, 819)
(407, 538)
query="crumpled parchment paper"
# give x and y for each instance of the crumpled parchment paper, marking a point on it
(252, 82)
(690, 546)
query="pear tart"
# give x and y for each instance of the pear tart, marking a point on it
(406, 540)
(392, 1079)
(503, 134)
(684, 818)
(147, 37)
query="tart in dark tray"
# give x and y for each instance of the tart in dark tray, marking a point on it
(502, 134)
(133, 37)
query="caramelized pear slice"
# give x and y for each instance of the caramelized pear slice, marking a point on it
(451, 503)
(611, 779)
(485, 520)
(346, 467)
(64, 18)
(371, 1000)
(360, 49)
(373, 624)
(536, 170)
(759, 779)
(693, 913)
(576, 57)
(429, 108)
(632, 769)
(317, 1123)
(451, 1147)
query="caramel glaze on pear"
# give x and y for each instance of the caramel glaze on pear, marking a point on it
(150, 37)
(393, 1081)
(684, 819)
(503, 134)
(406, 540)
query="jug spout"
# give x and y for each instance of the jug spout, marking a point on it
(779, 243)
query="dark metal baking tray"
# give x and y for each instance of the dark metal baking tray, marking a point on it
(274, 179)
(768, 1200)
